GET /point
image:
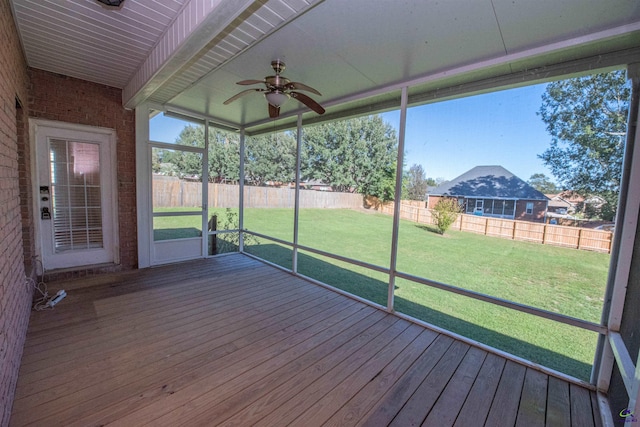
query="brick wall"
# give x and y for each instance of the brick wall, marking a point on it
(15, 294)
(539, 209)
(26, 190)
(66, 99)
(34, 93)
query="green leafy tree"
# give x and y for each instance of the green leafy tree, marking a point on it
(543, 184)
(431, 182)
(270, 158)
(445, 213)
(587, 119)
(155, 160)
(416, 183)
(355, 155)
(224, 155)
(183, 163)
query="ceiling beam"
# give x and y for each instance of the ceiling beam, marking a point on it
(195, 26)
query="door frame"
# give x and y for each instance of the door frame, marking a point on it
(148, 249)
(34, 129)
(180, 249)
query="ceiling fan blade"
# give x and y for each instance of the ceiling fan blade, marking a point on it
(302, 86)
(250, 82)
(274, 112)
(241, 94)
(307, 101)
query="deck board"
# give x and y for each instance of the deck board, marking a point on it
(504, 407)
(581, 410)
(533, 403)
(478, 402)
(557, 403)
(453, 396)
(420, 403)
(232, 341)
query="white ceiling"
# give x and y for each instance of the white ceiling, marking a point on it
(344, 48)
(81, 39)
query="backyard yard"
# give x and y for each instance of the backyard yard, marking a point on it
(566, 281)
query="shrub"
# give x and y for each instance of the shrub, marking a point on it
(445, 213)
(228, 242)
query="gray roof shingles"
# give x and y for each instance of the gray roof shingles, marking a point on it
(493, 182)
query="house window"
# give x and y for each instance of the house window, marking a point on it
(529, 210)
(510, 208)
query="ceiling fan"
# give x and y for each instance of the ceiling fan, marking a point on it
(278, 90)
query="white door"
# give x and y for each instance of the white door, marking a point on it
(179, 213)
(75, 194)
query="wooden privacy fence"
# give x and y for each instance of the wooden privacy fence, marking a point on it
(169, 192)
(547, 234)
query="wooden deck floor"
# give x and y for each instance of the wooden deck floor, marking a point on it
(232, 341)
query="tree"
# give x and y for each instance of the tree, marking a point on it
(224, 155)
(355, 155)
(432, 182)
(542, 183)
(270, 158)
(445, 213)
(184, 163)
(587, 119)
(416, 183)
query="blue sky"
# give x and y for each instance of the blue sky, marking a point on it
(448, 138)
(499, 128)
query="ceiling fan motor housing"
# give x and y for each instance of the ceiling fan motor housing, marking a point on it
(278, 90)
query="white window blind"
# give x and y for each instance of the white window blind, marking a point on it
(75, 195)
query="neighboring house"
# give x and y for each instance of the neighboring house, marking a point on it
(314, 184)
(573, 202)
(560, 205)
(493, 191)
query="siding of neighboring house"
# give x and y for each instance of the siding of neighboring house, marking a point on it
(432, 201)
(539, 209)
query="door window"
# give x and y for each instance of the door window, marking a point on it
(75, 195)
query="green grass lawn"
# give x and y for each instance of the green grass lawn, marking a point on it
(556, 279)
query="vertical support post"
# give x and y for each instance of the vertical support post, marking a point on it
(205, 193)
(397, 198)
(634, 400)
(241, 195)
(296, 208)
(143, 186)
(623, 240)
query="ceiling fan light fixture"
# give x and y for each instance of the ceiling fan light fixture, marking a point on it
(276, 98)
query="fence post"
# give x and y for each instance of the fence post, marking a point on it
(461, 217)
(486, 226)
(579, 238)
(544, 234)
